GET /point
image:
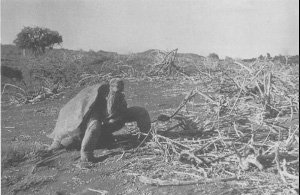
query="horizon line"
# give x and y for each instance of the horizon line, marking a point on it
(128, 53)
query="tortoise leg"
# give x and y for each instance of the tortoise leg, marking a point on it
(89, 141)
(71, 143)
(56, 145)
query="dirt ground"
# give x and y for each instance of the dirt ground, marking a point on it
(26, 127)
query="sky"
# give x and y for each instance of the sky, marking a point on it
(235, 28)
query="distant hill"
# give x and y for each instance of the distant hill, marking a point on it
(153, 56)
(97, 61)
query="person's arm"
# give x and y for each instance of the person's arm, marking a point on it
(123, 101)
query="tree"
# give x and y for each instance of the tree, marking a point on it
(213, 56)
(37, 39)
(261, 57)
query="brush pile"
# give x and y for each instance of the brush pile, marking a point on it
(241, 124)
(19, 96)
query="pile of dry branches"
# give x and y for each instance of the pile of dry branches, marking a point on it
(250, 126)
(166, 65)
(18, 95)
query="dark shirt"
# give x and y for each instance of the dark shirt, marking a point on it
(117, 105)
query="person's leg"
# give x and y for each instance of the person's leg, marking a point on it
(91, 136)
(114, 125)
(106, 139)
(139, 115)
(133, 114)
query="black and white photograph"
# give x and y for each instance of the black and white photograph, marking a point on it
(149, 97)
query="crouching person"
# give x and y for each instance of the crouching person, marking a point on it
(119, 114)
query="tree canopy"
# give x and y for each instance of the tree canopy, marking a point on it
(37, 39)
(213, 56)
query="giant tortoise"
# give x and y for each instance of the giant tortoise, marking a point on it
(82, 112)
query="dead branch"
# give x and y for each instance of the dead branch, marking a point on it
(11, 85)
(175, 182)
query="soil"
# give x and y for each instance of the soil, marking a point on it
(28, 126)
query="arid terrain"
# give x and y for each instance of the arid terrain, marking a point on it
(224, 126)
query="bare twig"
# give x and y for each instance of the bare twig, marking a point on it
(175, 182)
